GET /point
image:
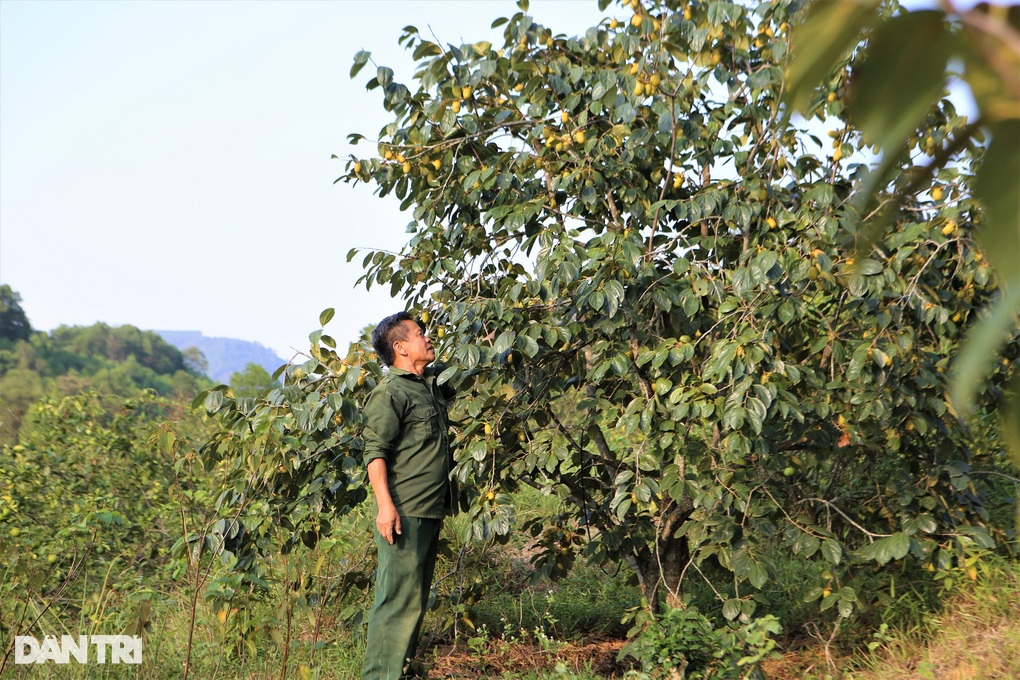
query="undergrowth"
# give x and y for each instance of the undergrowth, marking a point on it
(493, 619)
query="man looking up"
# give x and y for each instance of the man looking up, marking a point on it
(407, 452)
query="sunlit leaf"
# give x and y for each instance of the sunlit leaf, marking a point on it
(901, 76)
(829, 31)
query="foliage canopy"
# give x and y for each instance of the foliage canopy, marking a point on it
(649, 284)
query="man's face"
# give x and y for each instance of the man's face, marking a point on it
(417, 345)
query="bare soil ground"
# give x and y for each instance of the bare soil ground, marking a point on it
(598, 656)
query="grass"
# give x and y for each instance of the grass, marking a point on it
(523, 629)
(974, 635)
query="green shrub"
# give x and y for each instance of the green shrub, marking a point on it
(684, 642)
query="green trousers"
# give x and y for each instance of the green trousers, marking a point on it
(402, 583)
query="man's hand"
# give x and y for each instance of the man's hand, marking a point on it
(388, 519)
(388, 522)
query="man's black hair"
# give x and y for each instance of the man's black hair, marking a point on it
(388, 332)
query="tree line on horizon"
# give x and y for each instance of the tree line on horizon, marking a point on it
(121, 361)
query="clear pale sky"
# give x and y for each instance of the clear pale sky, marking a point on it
(167, 164)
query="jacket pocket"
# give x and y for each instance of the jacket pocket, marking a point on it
(424, 419)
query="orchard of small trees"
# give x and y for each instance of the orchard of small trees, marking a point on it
(662, 301)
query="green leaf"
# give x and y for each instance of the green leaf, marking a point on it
(731, 609)
(806, 545)
(199, 399)
(384, 75)
(830, 30)
(980, 349)
(831, 551)
(813, 593)
(326, 316)
(504, 342)
(1011, 423)
(469, 356)
(527, 345)
(901, 77)
(167, 439)
(996, 185)
(889, 548)
(360, 59)
(995, 98)
(867, 267)
(213, 401)
(448, 374)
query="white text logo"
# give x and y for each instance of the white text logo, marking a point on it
(105, 649)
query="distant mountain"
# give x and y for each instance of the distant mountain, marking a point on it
(226, 356)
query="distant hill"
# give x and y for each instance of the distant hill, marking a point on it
(226, 356)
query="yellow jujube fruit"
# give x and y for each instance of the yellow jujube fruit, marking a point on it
(440, 332)
(406, 167)
(949, 228)
(564, 116)
(936, 194)
(487, 429)
(455, 106)
(636, 21)
(357, 167)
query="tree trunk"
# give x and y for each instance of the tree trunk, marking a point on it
(660, 571)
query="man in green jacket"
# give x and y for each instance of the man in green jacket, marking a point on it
(407, 451)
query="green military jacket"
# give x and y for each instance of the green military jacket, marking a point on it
(406, 422)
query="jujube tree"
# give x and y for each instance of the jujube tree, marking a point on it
(645, 278)
(648, 280)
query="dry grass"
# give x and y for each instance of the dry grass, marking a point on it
(598, 657)
(977, 636)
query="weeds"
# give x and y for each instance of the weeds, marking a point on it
(974, 634)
